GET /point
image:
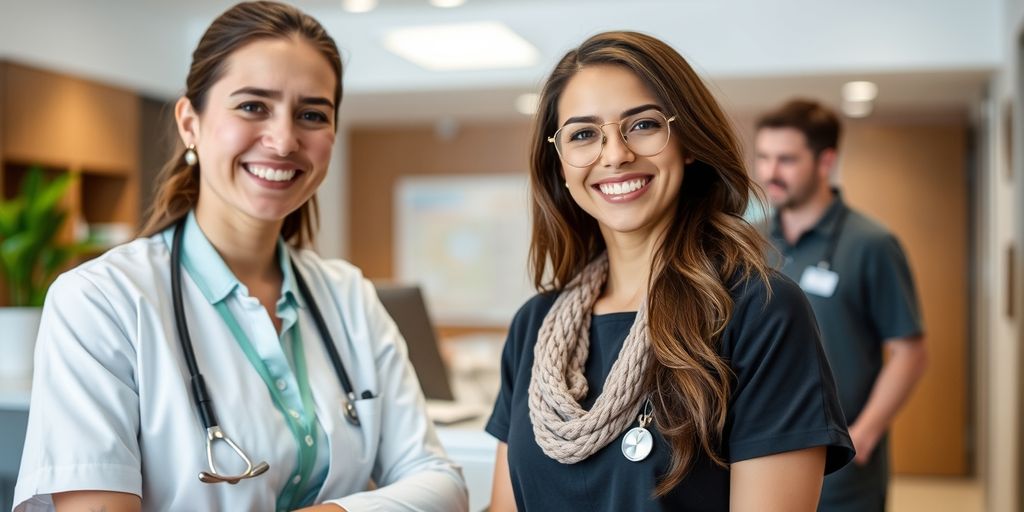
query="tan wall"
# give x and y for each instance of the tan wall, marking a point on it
(913, 179)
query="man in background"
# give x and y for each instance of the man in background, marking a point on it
(859, 284)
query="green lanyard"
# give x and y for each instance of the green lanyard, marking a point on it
(302, 424)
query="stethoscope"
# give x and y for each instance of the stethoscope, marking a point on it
(825, 263)
(201, 396)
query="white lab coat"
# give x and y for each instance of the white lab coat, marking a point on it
(111, 407)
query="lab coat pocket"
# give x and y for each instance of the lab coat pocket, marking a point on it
(369, 411)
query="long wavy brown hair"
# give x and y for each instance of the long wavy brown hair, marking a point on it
(247, 22)
(707, 248)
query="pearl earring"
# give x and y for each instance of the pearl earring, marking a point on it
(191, 158)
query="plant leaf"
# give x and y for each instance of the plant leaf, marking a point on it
(31, 184)
(30, 224)
(49, 195)
(10, 212)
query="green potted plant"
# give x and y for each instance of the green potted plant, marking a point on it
(31, 254)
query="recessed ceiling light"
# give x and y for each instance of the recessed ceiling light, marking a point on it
(463, 46)
(860, 91)
(358, 6)
(527, 103)
(447, 3)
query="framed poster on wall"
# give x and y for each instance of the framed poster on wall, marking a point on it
(465, 239)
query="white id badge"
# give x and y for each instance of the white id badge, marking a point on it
(819, 281)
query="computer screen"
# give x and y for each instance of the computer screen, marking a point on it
(406, 306)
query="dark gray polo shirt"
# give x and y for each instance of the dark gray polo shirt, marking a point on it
(874, 300)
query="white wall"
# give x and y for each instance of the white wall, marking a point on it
(140, 45)
(332, 239)
(998, 212)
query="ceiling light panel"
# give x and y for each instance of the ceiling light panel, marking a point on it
(447, 3)
(358, 6)
(463, 46)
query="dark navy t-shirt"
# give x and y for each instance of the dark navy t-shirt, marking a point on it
(782, 398)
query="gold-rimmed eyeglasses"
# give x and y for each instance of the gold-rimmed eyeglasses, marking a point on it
(579, 144)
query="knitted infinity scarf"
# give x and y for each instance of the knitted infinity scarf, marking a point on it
(564, 430)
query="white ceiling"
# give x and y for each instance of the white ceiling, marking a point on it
(926, 55)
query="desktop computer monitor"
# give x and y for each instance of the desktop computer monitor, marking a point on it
(406, 306)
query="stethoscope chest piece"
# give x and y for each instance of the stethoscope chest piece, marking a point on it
(350, 410)
(637, 443)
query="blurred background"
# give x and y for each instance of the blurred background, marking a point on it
(428, 180)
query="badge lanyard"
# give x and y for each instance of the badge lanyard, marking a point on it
(821, 280)
(830, 252)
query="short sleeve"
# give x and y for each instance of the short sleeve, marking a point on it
(892, 301)
(783, 396)
(498, 424)
(84, 412)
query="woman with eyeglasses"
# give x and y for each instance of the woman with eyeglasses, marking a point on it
(215, 363)
(663, 366)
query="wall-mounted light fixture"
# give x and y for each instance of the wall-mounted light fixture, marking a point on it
(526, 104)
(859, 98)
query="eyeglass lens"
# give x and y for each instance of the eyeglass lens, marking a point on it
(645, 134)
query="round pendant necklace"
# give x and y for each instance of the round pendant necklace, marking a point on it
(637, 443)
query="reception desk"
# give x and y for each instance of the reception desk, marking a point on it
(473, 449)
(13, 420)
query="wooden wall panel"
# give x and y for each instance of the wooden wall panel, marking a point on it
(3, 94)
(3, 122)
(158, 135)
(58, 119)
(913, 179)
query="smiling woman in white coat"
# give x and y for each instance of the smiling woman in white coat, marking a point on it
(214, 363)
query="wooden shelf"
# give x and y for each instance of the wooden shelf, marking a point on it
(107, 198)
(66, 124)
